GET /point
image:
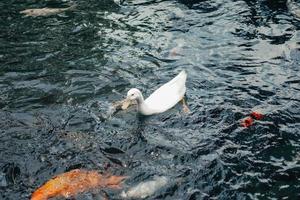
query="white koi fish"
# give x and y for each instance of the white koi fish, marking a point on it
(145, 189)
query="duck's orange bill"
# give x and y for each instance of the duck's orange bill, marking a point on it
(246, 122)
(125, 104)
(71, 183)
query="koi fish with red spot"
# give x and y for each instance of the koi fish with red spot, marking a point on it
(257, 115)
(248, 121)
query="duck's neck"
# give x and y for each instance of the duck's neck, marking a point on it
(142, 106)
(140, 99)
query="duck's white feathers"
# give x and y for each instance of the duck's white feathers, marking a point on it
(168, 95)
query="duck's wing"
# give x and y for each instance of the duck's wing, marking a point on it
(169, 94)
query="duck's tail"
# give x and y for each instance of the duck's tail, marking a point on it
(179, 79)
(182, 75)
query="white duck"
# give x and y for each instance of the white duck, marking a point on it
(162, 99)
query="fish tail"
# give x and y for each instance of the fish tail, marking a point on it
(115, 180)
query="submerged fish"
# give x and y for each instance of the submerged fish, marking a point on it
(176, 51)
(145, 189)
(71, 183)
(45, 11)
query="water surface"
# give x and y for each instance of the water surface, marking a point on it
(59, 74)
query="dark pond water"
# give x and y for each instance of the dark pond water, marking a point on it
(59, 75)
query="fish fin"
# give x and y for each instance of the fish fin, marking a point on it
(115, 187)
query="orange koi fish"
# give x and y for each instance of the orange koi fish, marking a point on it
(76, 181)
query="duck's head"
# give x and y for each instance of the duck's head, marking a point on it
(134, 94)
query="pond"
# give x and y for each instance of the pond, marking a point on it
(59, 75)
